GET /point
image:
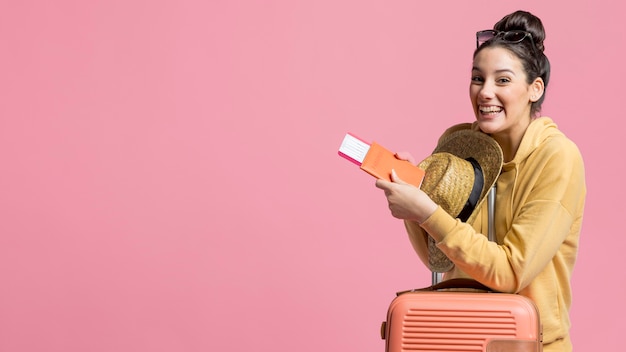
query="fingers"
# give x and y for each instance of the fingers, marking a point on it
(395, 178)
(383, 184)
(386, 185)
(406, 156)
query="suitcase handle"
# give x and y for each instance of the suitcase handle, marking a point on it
(459, 283)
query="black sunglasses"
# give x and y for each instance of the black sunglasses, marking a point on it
(509, 37)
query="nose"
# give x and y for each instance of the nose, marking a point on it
(487, 91)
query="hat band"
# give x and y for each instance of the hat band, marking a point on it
(476, 191)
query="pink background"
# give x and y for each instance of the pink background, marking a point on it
(169, 173)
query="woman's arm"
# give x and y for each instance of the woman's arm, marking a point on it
(419, 239)
(537, 222)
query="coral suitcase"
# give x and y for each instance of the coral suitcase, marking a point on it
(462, 315)
(432, 320)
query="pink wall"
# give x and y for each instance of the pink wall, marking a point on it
(169, 177)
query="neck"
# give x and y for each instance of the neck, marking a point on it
(510, 141)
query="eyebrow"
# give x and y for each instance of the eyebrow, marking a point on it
(474, 68)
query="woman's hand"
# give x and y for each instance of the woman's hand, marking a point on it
(406, 201)
(406, 156)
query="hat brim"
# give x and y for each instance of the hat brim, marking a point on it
(480, 146)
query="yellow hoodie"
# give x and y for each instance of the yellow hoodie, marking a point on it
(539, 208)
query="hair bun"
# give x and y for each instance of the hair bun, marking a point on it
(524, 21)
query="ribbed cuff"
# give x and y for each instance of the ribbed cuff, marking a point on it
(439, 224)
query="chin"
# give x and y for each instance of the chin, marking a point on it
(488, 126)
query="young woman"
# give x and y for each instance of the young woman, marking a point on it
(540, 191)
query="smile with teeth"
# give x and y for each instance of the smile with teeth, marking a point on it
(490, 109)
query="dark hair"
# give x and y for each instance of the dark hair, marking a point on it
(535, 62)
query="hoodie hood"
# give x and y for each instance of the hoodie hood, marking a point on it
(539, 130)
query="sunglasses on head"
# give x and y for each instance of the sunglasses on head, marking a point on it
(509, 37)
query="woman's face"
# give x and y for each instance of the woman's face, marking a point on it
(500, 94)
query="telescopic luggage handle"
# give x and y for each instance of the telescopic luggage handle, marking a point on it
(491, 234)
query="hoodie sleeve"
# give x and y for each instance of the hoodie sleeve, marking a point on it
(419, 239)
(540, 220)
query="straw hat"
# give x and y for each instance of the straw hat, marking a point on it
(459, 174)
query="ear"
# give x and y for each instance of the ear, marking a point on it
(536, 89)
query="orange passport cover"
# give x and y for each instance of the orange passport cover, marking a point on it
(379, 162)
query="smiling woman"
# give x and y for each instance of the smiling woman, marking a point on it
(539, 208)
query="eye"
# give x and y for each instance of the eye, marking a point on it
(504, 80)
(477, 79)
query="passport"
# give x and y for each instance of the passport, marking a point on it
(378, 161)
